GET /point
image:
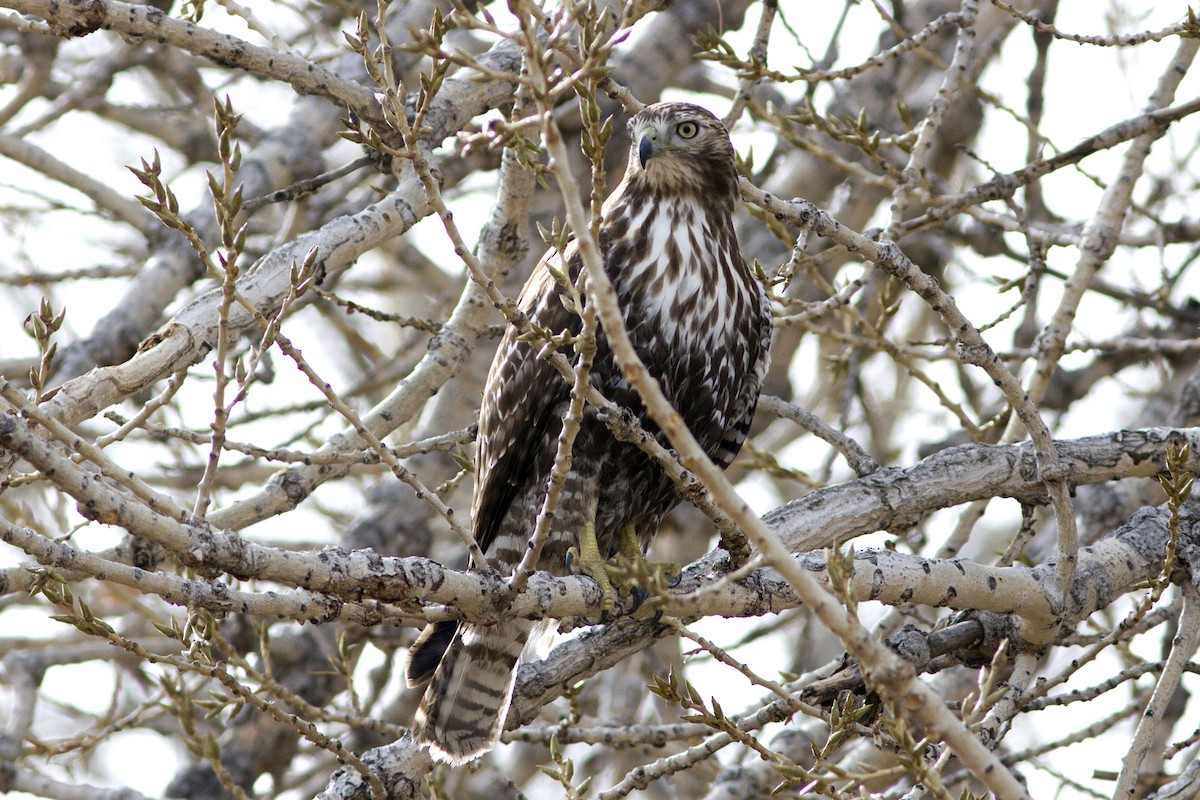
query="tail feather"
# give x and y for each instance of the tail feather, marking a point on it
(427, 651)
(461, 714)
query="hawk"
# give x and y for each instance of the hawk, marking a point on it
(701, 323)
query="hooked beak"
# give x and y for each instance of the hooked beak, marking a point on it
(647, 148)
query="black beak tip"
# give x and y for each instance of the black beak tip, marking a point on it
(645, 150)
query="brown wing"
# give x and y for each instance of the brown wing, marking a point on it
(522, 406)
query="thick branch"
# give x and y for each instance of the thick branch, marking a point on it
(72, 18)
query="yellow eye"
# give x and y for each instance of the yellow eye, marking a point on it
(687, 130)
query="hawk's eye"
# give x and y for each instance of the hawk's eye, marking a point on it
(687, 130)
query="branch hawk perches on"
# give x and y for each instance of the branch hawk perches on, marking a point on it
(700, 322)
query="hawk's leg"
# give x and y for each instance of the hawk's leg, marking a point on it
(586, 560)
(628, 569)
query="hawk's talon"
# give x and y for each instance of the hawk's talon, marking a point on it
(639, 594)
(626, 572)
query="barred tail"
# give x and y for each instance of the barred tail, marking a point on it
(461, 714)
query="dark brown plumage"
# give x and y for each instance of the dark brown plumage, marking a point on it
(701, 323)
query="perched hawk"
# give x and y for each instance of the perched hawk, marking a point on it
(701, 323)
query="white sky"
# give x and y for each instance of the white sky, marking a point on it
(1100, 94)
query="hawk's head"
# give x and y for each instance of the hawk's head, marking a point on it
(681, 148)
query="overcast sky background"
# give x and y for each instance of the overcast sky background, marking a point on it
(1107, 86)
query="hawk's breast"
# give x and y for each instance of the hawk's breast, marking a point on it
(694, 312)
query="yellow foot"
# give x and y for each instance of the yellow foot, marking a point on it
(628, 570)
